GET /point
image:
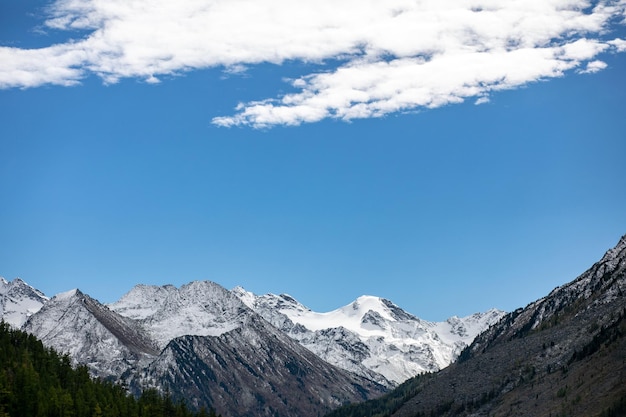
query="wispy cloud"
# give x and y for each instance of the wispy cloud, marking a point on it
(395, 56)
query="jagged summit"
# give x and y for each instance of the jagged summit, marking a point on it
(244, 295)
(371, 336)
(466, 328)
(368, 305)
(142, 300)
(366, 315)
(282, 302)
(221, 346)
(602, 284)
(615, 255)
(74, 323)
(200, 341)
(67, 295)
(560, 355)
(19, 301)
(199, 308)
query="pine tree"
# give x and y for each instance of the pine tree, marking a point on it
(38, 382)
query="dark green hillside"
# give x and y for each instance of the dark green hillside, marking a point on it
(386, 404)
(562, 356)
(38, 382)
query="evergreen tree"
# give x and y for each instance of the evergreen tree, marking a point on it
(38, 382)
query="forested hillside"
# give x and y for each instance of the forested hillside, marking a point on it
(562, 355)
(38, 382)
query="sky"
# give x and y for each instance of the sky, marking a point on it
(449, 155)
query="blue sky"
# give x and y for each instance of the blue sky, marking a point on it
(450, 168)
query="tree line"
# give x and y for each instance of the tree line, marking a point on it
(36, 381)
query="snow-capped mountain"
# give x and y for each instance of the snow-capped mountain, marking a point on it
(254, 370)
(205, 341)
(18, 301)
(197, 342)
(200, 308)
(372, 336)
(563, 354)
(74, 323)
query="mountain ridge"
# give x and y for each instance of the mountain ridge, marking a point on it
(160, 342)
(76, 324)
(19, 301)
(198, 308)
(562, 355)
(264, 357)
(151, 335)
(387, 343)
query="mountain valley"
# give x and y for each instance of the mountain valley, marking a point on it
(268, 355)
(238, 352)
(562, 355)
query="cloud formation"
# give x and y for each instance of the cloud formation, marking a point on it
(394, 56)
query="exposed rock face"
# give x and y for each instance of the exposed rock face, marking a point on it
(200, 343)
(254, 370)
(200, 308)
(372, 336)
(204, 343)
(561, 355)
(19, 301)
(91, 334)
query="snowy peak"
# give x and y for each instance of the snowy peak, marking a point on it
(367, 316)
(19, 301)
(68, 295)
(461, 331)
(245, 296)
(371, 336)
(74, 323)
(283, 302)
(200, 308)
(370, 306)
(367, 304)
(142, 301)
(467, 326)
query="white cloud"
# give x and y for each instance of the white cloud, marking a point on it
(594, 66)
(59, 64)
(397, 55)
(583, 49)
(619, 44)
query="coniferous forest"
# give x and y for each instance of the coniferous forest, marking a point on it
(38, 382)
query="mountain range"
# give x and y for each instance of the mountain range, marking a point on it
(268, 355)
(562, 355)
(240, 353)
(372, 336)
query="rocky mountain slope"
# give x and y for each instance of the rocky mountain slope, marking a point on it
(563, 355)
(93, 335)
(198, 342)
(18, 301)
(195, 309)
(372, 336)
(254, 370)
(245, 354)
